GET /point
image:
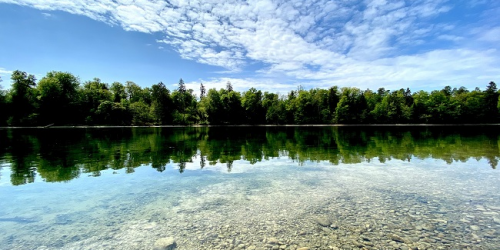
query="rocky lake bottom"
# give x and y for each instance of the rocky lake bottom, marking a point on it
(275, 204)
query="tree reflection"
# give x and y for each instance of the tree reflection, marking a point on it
(58, 155)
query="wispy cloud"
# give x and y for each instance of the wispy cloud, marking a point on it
(491, 35)
(4, 72)
(360, 43)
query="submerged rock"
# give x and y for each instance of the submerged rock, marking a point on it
(272, 241)
(397, 238)
(165, 244)
(323, 221)
(496, 220)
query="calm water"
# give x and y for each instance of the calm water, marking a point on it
(250, 188)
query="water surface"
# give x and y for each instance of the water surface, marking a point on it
(250, 188)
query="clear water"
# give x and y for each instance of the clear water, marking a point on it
(259, 188)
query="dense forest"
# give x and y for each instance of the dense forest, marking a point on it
(60, 98)
(64, 154)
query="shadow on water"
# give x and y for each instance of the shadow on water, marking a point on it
(59, 155)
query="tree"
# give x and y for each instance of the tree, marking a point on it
(491, 102)
(214, 107)
(441, 107)
(275, 108)
(333, 100)
(133, 91)
(420, 109)
(181, 99)
(229, 86)
(182, 86)
(305, 111)
(119, 92)
(471, 105)
(23, 98)
(141, 113)
(352, 106)
(162, 105)
(57, 91)
(202, 108)
(202, 91)
(392, 108)
(447, 91)
(224, 107)
(92, 94)
(112, 113)
(185, 107)
(252, 104)
(498, 104)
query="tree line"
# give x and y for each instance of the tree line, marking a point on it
(60, 98)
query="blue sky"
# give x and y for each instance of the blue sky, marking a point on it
(271, 45)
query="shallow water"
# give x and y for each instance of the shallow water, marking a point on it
(259, 188)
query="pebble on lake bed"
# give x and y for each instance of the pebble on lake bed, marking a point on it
(165, 244)
(323, 221)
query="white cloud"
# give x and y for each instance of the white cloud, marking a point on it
(4, 73)
(318, 43)
(491, 35)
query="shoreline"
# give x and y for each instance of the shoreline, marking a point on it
(263, 125)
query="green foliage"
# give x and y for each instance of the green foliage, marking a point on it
(233, 111)
(252, 104)
(498, 105)
(214, 108)
(60, 99)
(186, 111)
(392, 108)
(112, 113)
(224, 107)
(202, 113)
(161, 104)
(352, 106)
(333, 100)
(491, 96)
(133, 91)
(276, 108)
(141, 113)
(91, 95)
(185, 104)
(119, 92)
(23, 99)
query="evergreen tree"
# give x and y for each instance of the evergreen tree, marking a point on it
(203, 91)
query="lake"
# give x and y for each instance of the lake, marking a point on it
(250, 188)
